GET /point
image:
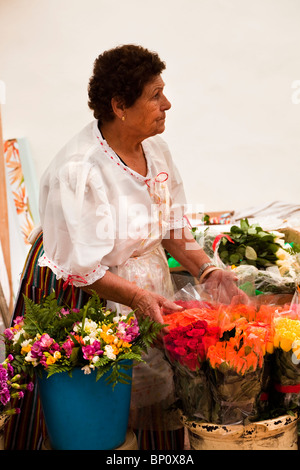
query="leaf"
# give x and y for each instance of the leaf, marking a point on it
(250, 253)
(234, 258)
(244, 225)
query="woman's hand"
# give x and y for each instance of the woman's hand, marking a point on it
(146, 303)
(221, 285)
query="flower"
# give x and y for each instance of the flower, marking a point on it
(10, 388)
(188, 344)
(56, 338)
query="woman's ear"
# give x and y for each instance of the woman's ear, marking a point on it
(118, 107)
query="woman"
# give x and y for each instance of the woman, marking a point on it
(110, 203)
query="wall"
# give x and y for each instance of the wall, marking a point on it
(233, 127)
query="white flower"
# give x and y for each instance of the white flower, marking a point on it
(17, 335)
(26, 343)
(90, 326)
(109, 352)
(86, 369)
(29, 358)
(282, 254)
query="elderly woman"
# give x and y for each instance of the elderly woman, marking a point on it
(110, 203)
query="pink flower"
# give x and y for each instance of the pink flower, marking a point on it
(68, 347)
(92, 350)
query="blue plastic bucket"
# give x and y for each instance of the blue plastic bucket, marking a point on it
(82, 413)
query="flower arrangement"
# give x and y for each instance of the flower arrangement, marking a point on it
(236, 360)
(54, 338)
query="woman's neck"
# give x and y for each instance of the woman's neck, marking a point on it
(126, 146)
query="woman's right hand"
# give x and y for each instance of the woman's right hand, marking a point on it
(147, 303)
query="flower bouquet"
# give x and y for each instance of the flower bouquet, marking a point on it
(186, 348)
(53, 339)
(286, 367)
(235, 374)
(218, 354)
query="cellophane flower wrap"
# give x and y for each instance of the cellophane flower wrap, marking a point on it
(54, 338)
(186, 348)
(286, 366)
(235, 374)
(220, 378)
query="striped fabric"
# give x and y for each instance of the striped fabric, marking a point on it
(26, 430)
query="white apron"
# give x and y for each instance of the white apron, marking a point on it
(152, 384)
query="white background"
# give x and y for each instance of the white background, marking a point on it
(233, 128)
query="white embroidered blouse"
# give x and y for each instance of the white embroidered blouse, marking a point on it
(96, 212)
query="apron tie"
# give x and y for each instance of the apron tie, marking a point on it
(70, 281)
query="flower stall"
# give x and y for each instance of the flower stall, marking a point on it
(237, 373)
(81, 361)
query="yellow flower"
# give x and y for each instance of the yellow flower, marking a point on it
(287, 331)
(25, 349)
(52, 359)
(286, 344)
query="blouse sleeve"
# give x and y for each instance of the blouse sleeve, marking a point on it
(77, 222)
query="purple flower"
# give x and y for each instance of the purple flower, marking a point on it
(30, 386)
(9, 334)
(65, 311)
(92, 350)
(128, 331)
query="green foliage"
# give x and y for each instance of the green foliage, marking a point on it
(252, 245)
(66, 329)
(149, 331)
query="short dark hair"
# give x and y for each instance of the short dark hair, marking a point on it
(121, 72)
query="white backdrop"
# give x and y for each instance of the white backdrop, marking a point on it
(231, 66)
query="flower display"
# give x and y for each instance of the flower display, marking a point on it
(54, 339)
(229, 361)
(186, 348)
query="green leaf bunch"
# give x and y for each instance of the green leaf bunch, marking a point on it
(251, 245)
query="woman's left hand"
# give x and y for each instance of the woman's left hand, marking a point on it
(221, 285)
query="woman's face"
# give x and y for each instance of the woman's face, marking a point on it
(146, 117)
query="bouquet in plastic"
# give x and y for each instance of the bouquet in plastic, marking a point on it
(186, 348)
(235, 375)
(222, 371)
(286, 366)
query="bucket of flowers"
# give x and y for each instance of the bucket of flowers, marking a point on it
(82, 360)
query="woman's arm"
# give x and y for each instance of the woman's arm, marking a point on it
(184, 248)
(113, 287)
(219, 283)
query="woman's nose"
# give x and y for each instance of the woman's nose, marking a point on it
(166, 104)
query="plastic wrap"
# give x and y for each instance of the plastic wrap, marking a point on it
(210, 388)
(275, 272)
(286, 364)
